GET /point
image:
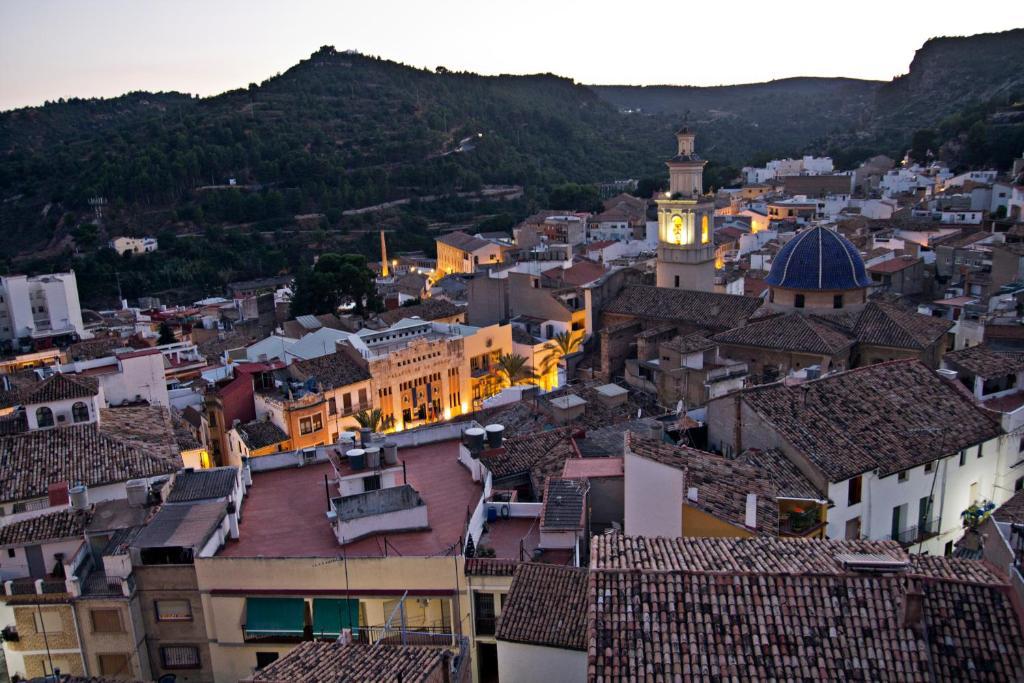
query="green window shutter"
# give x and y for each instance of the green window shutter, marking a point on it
(331, 615)
(275, 616)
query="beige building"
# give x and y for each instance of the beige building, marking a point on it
(458, 252)
(425, 372)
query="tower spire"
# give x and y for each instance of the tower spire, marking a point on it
(384, 272)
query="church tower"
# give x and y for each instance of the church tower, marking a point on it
(686, 219)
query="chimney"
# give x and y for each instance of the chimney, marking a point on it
(737, 425)
(750, 518)
(691, 494)
(913, 608)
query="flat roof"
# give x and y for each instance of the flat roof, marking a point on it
(568, 401)
(285, 511)
(593, 468)
(181, 526)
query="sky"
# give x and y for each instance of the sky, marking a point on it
(88, 48)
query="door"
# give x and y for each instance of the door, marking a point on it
(924, 513)
(899, 515)
(36, 566)
(853, 529)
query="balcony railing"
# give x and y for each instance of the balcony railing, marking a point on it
(485, 626)
(917, 534)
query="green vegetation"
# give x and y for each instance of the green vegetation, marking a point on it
(333, 281)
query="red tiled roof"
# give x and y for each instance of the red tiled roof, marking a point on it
(592, 468)
(331, 662)
(893, 265)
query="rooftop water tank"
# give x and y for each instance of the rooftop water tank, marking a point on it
(79, 497)
(356, 458)
(495, 432)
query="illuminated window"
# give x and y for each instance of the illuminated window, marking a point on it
(677, 230)
(705, 234)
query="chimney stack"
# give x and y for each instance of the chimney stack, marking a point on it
(750, 518)
(913, 608)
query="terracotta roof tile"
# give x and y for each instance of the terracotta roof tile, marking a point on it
(539, 455)
(260, 434)
(430, 309)
(80, 454)
(985, 362)
(333, 371)
(790, 332)
(707, 310)
(330, 662)
(563, 504)
(721, 485)
(788, 479)
(883, 324)
(61, 387)
(888, 416)
(547, 605)
(49, 527)
(486, 566)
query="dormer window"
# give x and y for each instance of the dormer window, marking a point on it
(44, 417)
(80, 412)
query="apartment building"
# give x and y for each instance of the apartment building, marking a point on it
(458, 252)
(40, 311)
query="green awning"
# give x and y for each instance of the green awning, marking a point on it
(331, 615)
(275, 616)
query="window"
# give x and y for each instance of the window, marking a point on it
(677, 282)
(332, 406)
(313, 423)
(798, 301)
(899, 518)
(180, 657)
(483, 613)
(44, 417)
(948, 549)
(853, 494)
(11, 552)
(80, 412)
(963, 458)
(48, 621)
(106, 621)
(1019, 484)
(113, 665)
(173, 610)
(371, 483)
(364, 399)
(265, 659)
(837, 301)
(981, 449)
(346, 403)
(903, 475)
(929, 467)
(853, 529)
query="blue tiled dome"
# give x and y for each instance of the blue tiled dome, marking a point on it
(818, 258)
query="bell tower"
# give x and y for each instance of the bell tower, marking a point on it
(686, 250)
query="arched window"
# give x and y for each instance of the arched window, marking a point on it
(80, 412)
(44, 417)
(705, 234)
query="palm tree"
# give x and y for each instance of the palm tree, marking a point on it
(513, 368)
(372, 419)
(566, 342)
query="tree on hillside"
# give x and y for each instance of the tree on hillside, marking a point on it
(574, 197)
(922, 142)
(166, 334)
(334, 280)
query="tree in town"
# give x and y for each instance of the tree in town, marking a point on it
(513, 369)
(166, 334)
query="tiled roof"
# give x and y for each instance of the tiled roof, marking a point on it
(563, 504)
(192, 485)
(79, 454)
(580, 273)
(790, 332)
(818, 258)
(788, 479)
(332, 371)
(547, 605)
(463, 241)
(540, 455)
(889, 416)
(260, 434)
(884, 324)
(49, 527)
(183, 434)
(193, 417)
(722, 485)
(61, 387)
(1012, 510)
(487, 566)
(893, 265)
(985, 362)
(691, 343)
(430, 309)
(331, 662)
(708, 310)
(148, 427)
(687, 626)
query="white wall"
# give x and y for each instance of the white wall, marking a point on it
(62, 409)
(141, 376)
(17, 566)
(519, 663)
(653, 498)
(405, 520)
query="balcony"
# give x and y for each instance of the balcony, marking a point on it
(50, 585)
(917, 534)
(800, 523)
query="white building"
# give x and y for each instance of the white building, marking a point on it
(40, 308)
(127, 377)
(133, 245)
(900, 465)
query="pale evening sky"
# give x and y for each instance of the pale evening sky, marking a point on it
(63, 48)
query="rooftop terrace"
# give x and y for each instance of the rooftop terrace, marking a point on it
(285, 512)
